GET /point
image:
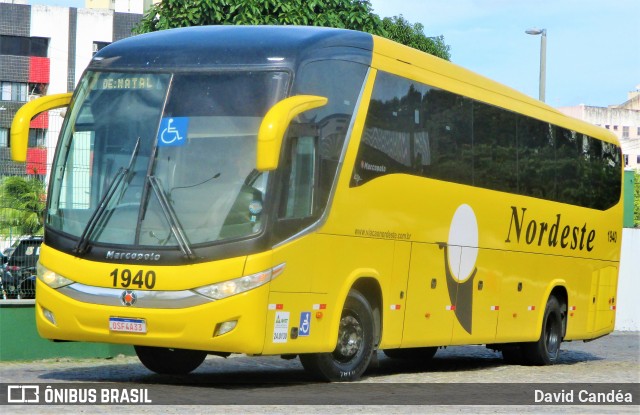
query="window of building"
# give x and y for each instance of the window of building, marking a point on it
(13, 91)
(97, 46)
(638, 159)
(615, 128)
(626, 159)
(37, 137)
(4, 137)
(625, 132)
(24, 46)
(5, 91)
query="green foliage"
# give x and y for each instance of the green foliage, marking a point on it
(346, 14)
(22, 205)
(636, 201)
(352, 14)
(400, 30)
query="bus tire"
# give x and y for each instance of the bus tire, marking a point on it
(546, 350)
(354, 348)
(422, 354)
(165, 361)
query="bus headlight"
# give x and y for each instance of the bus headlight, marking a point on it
(50, 278)
(226, 289)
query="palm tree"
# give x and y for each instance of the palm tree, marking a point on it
(22, 205)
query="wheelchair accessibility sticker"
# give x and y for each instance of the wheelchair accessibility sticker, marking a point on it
(173, 131)
(305, 324)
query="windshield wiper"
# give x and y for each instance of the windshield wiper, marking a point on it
(172, 218)
(122, 175)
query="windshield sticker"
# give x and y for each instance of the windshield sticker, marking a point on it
(281, 327)
(173, 131)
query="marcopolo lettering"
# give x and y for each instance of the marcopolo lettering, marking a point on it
(553, 233)
(134, 256)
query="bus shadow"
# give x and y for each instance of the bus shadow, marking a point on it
(271, 371)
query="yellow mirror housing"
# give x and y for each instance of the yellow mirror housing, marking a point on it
(275, 124)
(22, 120)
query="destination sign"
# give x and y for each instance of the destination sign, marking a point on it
(127, 81)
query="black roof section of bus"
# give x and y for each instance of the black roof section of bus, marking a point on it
(218, 46)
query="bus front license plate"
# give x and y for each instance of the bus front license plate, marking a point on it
(127, 325)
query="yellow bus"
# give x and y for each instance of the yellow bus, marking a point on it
(323, 193)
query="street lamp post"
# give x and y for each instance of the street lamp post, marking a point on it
(543, 58)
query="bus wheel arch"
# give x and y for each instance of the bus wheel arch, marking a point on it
(356, 341)
(370, 289)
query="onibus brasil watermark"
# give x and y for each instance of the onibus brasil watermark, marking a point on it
(77, 394)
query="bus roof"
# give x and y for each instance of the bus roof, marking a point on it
(208, 47)
(218, 46)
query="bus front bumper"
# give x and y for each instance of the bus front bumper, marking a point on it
(197, 327)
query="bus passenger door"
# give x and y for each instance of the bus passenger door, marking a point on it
(429, 316)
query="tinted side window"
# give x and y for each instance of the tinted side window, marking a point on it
(394, 140)
(494, 148)
(449, 119)
(536, 158)
(332, 120)
(416, 129)
(315, 141)
(567, 166)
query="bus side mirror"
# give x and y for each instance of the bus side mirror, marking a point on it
(20, 124)
(274, 125)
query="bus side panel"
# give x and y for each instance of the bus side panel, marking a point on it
(298, 323)
(393, 316)
(483, 304)
(429, 316)
(320, 270)
(521, 288)
(602, 305)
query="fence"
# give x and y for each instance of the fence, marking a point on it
(23, 199)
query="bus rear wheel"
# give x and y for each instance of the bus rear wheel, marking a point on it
(165, 361)
(546, 350)
(354, 348)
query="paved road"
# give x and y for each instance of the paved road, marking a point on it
(237, 381)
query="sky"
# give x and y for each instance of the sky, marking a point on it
(593, 46)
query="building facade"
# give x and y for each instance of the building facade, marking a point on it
(43, 51)
(623, 120)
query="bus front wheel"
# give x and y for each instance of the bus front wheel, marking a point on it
(166, 361)
(546, 350)
(354, 348)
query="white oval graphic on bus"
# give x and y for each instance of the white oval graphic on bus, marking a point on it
(463, 243)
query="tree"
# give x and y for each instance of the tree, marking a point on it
(400, 30)
(22, 206)
(346, 14)
(636, 201)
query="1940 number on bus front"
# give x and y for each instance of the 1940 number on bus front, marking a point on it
(126, 278)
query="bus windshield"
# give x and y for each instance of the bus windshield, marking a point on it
(163, 159)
